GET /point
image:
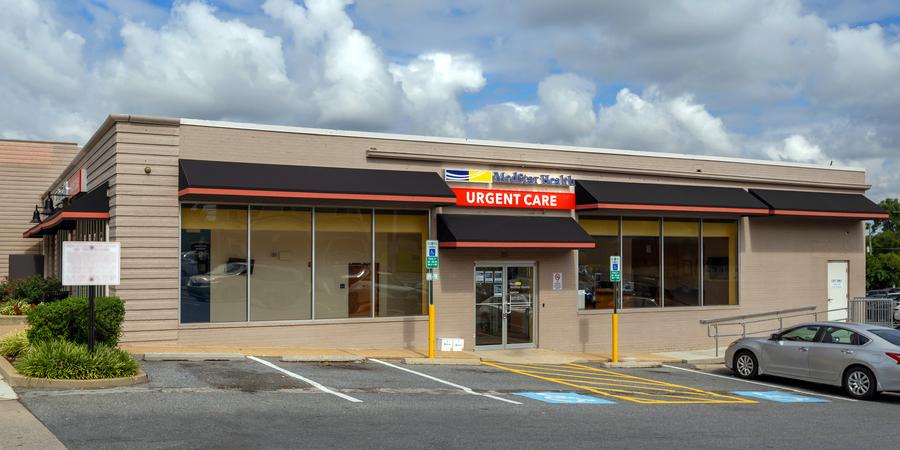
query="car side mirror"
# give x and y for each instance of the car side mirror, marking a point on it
(775, 337)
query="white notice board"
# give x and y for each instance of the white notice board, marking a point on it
(90, 263)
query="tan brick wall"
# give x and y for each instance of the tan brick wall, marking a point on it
(26, 171)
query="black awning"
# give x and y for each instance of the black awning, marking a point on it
(820, 204)
(204, 180)
(90, 205)
(612, 195)
(490, 231)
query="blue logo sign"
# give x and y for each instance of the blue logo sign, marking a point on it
(570, 398)
(432, 252)
(484, 176)
(780, 397)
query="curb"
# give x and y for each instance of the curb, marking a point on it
(719, 360)
(13, 378)
(324, 358)
(443, 361)
(176, 356)
(631, 365)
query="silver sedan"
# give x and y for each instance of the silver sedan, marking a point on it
(863, 359)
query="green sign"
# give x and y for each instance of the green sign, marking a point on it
(615, 269)
(431, 254)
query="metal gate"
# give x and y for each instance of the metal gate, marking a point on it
(875, 311)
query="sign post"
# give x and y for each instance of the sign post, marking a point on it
(615, 276)
(431, 263)
(91, 264)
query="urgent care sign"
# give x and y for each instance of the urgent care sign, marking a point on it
(495, 198)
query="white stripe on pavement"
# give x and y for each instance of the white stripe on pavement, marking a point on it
(312, 383)
(759, 383)
(462, 388)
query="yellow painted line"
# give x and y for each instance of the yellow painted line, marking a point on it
(577, 376)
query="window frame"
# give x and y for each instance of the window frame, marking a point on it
(428, 212)
(739, 225)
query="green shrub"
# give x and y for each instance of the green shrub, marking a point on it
(68, 320)
(66, 360)
(14, 344)
(36, 289)
(15, 308)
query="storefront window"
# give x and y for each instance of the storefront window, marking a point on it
(720, 263)
(640, 263)
(594, 286)
(400, 259)
(281, 256)
(343, 263)
(214, 263)
(681, 265)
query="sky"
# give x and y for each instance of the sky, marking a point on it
(813, 81)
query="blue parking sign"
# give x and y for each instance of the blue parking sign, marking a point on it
(780, 397)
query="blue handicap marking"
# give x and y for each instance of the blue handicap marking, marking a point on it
(780, 397)
(565, 398)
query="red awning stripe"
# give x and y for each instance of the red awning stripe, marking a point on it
(314, 195)
(518, 244)
(64, 216)
(788, 212)
(709, 209)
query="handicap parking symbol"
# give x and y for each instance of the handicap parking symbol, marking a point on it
(780, 397)
(565, 398)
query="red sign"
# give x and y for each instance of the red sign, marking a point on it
(494, 198)
(75, 183)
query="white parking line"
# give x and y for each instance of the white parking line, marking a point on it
(759, 383)
(312, 383)
(462, 388)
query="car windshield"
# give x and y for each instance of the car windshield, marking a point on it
(892, 336)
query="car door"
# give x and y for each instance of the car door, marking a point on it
(832, 353)
(789, 355)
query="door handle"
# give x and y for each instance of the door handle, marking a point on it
(803, 349)
(847, 352)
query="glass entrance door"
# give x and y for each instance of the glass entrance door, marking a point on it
(504, 305)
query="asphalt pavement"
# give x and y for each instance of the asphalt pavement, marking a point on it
(267, 403)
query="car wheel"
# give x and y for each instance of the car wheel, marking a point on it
(859, 382)
(746, 365)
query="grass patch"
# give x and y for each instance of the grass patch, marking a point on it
(14, 344)
(59, 359)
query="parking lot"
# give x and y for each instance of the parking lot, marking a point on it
(264, 402)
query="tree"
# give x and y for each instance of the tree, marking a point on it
(883, 245)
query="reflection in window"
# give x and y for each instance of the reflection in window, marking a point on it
(343, 263)
(720, 263)
(640, 263)
(593, 264)
(400, 258)
(681, 250)
(213, 263)
(281, 251)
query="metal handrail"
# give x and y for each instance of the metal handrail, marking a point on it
(749, 316)
(712, 325)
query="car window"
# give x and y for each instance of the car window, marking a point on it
(802, 334)
(837, 335)
(892, 336)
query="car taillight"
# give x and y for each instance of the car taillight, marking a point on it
(732, 344)
(894, 356)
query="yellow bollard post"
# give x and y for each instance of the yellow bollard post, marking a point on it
(431, 330)
(615, 337)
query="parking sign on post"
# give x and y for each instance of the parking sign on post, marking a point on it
(615, 269)
(431, 254)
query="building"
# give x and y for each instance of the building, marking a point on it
(256, 235)
(26, 169)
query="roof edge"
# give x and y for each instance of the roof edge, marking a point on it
(492, 143)
(108, 123)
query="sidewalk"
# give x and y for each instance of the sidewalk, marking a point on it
(21, 429)
(707, 356)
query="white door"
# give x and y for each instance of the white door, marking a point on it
(838, 289)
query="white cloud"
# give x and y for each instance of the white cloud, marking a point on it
(198, 65)
(351, 85)
(432, 85)
(796, 148)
